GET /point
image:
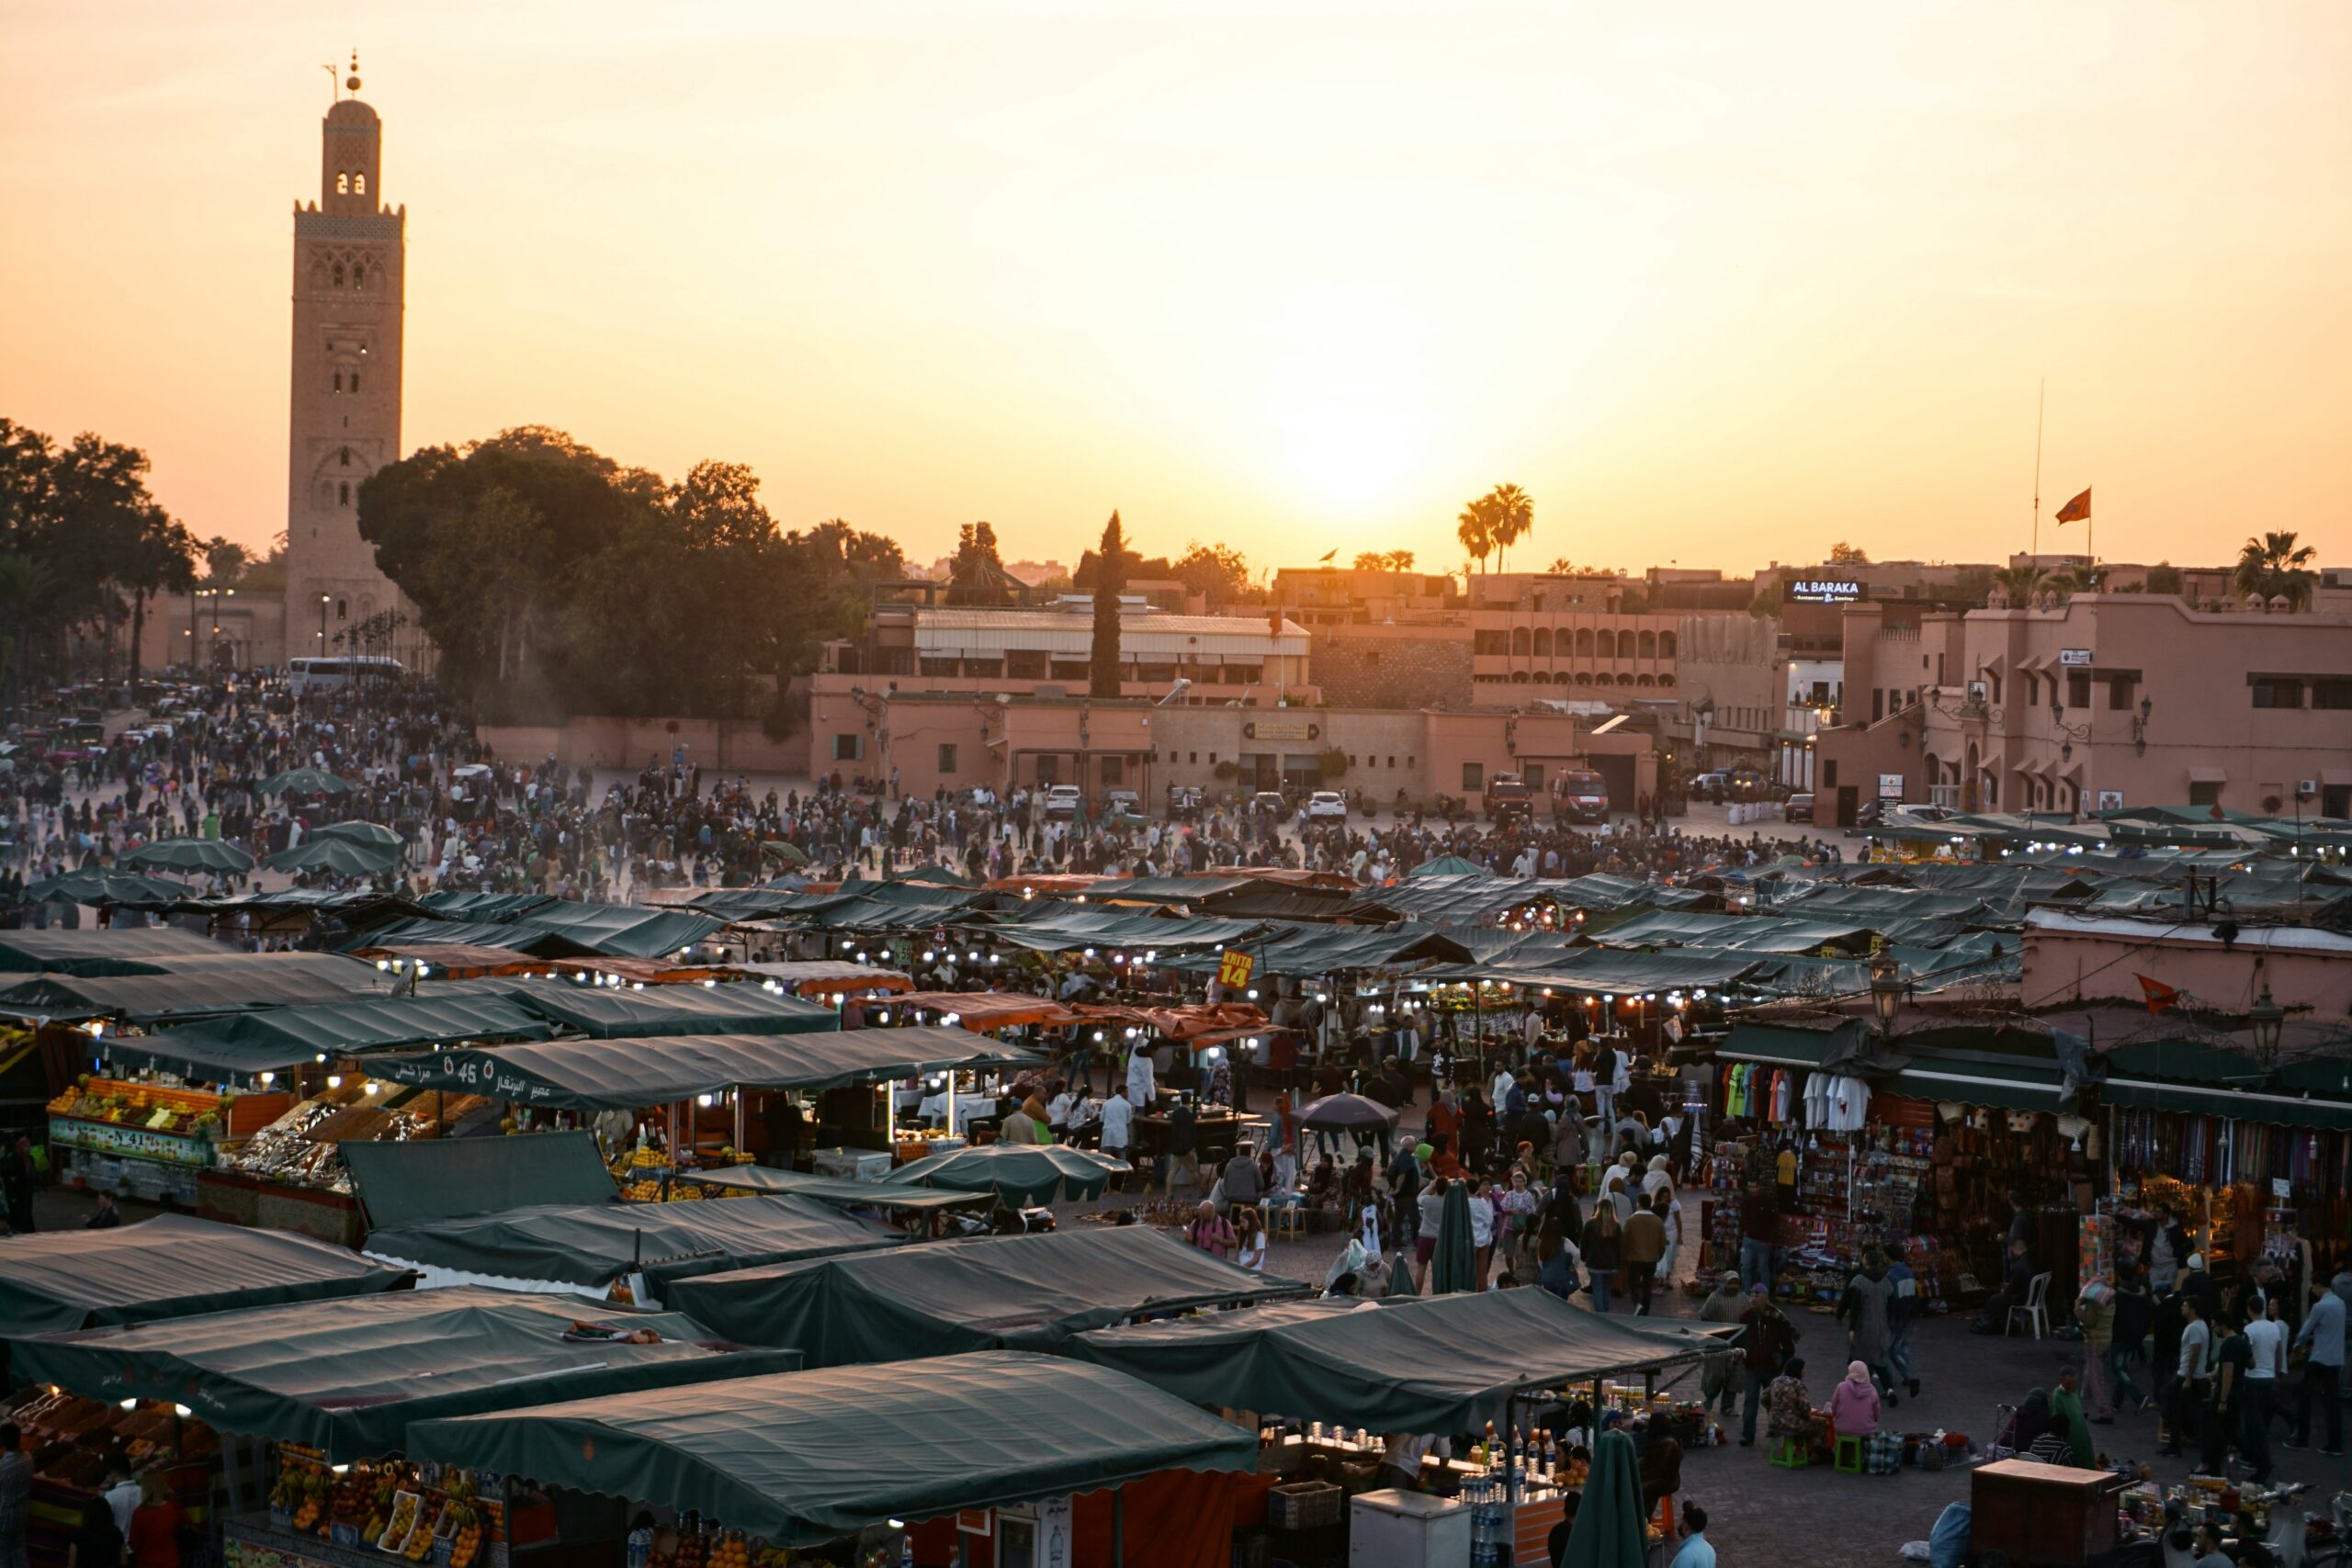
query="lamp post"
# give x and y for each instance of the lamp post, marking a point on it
(2265, 1018)
(1886, 992)
(322, 621)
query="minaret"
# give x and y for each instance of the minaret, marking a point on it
(344, 414)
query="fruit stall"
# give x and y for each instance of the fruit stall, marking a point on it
(74, 1445)
(148, 1138)
(287, 1422)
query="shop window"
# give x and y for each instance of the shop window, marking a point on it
(2122, 691)
(2335, 695)
(946, 758)
(2078, 689)
(2205, 793)
(1534, 773)
(1392, 761)
(1473, 777)
(849, 748)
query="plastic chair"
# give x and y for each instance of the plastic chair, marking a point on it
(1287, 1220)
(2034, 1310)
(1791, 1453)
(1847, 1458)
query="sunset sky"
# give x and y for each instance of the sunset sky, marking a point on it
(1718, 284)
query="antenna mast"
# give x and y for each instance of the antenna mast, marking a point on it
(2041, 390)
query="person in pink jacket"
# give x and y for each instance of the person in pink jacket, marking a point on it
(1853, 1405)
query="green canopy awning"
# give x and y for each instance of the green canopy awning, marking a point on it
(99, 887)
(619, 930)
(594, 1244)
(374, 833)
(401, 1184)
(1439, 1364)
(1018, 1292)
(1447, 866)
(803, 1458)
(168, 1267)
(228, 983)
(249, 1043)
(835, 1190)
(597, 1075)
(340, 856)
(103, 950)
(188, 854)
(348, 1376)
(1018, 1173)
(608, 1012)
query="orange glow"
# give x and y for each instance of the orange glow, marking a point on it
(1719, 286)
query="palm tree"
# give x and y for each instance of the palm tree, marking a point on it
(1514, 515)
(2275, 565)
(2021, 582)
(1475, 529)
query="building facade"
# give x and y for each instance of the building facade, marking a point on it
(2097, 702)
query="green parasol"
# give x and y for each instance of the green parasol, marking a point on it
(308, 781)
(373, 835)
(1019, 1173)
(1608, 1532)
(1453, 1265)
(786, 851)
(338, 855)
(1446, 866)
(188, 854)
(96, 887)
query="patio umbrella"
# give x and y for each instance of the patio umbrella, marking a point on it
(1346, 1114)
(188, 854)
(1446, 866)
(786, 851)
(1019, 1173)
(1608, 1532)
(374, 835)
(307, 780)
(936, 877)
(96, 887)
(338, 855)
(1453, 1264)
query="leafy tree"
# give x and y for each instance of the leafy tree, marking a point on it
(2163, 578)
(1110, 579)
(1843, 554)
(2274, 565)
(1219, 573)
(975, 575)
(2021, 582)
(224, 561)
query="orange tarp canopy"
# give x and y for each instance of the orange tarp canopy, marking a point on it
(983, 1010)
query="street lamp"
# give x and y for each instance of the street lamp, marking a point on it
(2265, 1018)
(322, 621)
(1886, 991)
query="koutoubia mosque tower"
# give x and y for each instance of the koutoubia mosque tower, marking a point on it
(350, 253)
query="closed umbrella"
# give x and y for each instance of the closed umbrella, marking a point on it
(1016, 1173)
(338, 855)
(1610, 1531)
(1453, 1263)
(188, 854)
(307, 780)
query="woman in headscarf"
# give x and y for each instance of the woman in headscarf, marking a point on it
(1788, 1407)
(1853, 1404)
(1604, 1245)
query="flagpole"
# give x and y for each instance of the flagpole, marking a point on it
(2041, 392)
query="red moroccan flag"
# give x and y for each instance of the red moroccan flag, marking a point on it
(2077, 510)
(2160, 996)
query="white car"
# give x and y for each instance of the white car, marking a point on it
(1326, 805)
(1061, 800)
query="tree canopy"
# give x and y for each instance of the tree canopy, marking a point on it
(2276, 565)
(1383, 561)
(1219, 573)
(1496, 521)
(83, 548)
(556, 581)
(1110, 582)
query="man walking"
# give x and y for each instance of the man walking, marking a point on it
(1767, 1343)
(1644, 1245)
(2192, 1385)
(2322, 1340)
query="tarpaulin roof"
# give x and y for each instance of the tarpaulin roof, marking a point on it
(1745, 933)
(606, 1012)
(457, 903)
(168, 1267)
(617, 931)
(1598, 971)
(1165, 889)
(1822, 900)
(280, 1037)
(825, 976)
(348, 1376)
(996, 1293)
(2198, 1077)
(981, 1010)
(802, 1458)
(1322, 949)
(458, 959)
(593, 1244)
(599, 1075)
(1436, 1364)
(1067, 930)
(260, 980)
(401, 1183)
(125, 950)
(834, 1189)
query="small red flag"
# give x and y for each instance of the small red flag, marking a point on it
(2077, 510)
(2160, 996)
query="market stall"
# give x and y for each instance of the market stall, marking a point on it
(994, 1292)
(838, 1463)
(605, 1013)
(323, 1393)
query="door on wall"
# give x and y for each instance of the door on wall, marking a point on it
(1848, 807)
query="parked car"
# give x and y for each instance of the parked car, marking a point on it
(1326, 805)
(1580, 794)
(1799, 808)
(1184, 802)
(1715, 786)
(1061, 801)
(1271, 801)
(1123, 800)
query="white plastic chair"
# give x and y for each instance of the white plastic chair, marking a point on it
(2035, 1312)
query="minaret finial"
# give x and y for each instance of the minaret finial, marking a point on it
(352, 81)
(334, 83)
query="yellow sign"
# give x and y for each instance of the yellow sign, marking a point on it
(1234, 971)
